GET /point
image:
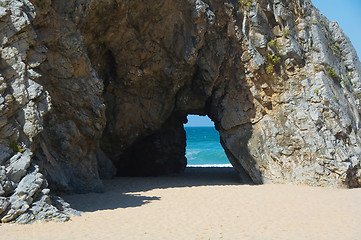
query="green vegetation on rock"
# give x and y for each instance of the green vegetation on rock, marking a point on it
(333, 73)
(286, 32)
(348, 75)
(274, 58)
(16, 147)
(246, 3)
(272, 43)
(269, 68)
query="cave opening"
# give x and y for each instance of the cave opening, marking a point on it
(186, 146)
(203, 143)
(151, 86)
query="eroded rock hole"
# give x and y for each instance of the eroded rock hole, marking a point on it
(154, 76)
(203, 144)
(164, 151)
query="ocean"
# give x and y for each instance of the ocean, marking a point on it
(204, 148)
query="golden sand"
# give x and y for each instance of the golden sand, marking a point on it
(203, 203)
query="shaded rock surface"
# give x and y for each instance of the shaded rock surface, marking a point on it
(91, 88)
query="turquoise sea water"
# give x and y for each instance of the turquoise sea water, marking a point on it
(204, 148)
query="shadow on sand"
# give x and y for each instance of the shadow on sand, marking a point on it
(125, 192)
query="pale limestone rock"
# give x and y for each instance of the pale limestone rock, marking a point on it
(18, 166)
(23, 105)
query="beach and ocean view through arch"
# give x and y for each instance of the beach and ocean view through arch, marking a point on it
(203, 144)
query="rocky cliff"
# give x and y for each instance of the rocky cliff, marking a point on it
(93, 88)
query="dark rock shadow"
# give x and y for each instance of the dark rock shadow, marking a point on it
(128, 192)
(106, 201)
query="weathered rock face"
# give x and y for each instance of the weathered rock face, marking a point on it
(24, 102)
(67, 145)
(89, 88)
(280, 82)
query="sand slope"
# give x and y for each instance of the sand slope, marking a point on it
(204, 204)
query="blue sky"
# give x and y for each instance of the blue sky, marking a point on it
(348, 15)
(198, 121)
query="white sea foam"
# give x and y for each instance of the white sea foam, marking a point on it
(211, 165)
(191, 152)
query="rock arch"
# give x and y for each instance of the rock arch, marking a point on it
(156, 74)
(159, 64)
(86, 85)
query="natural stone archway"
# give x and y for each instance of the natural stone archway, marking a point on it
(91, 86)
(154, 72)
(247, 68)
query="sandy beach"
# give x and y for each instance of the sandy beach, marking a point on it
(203, 203)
